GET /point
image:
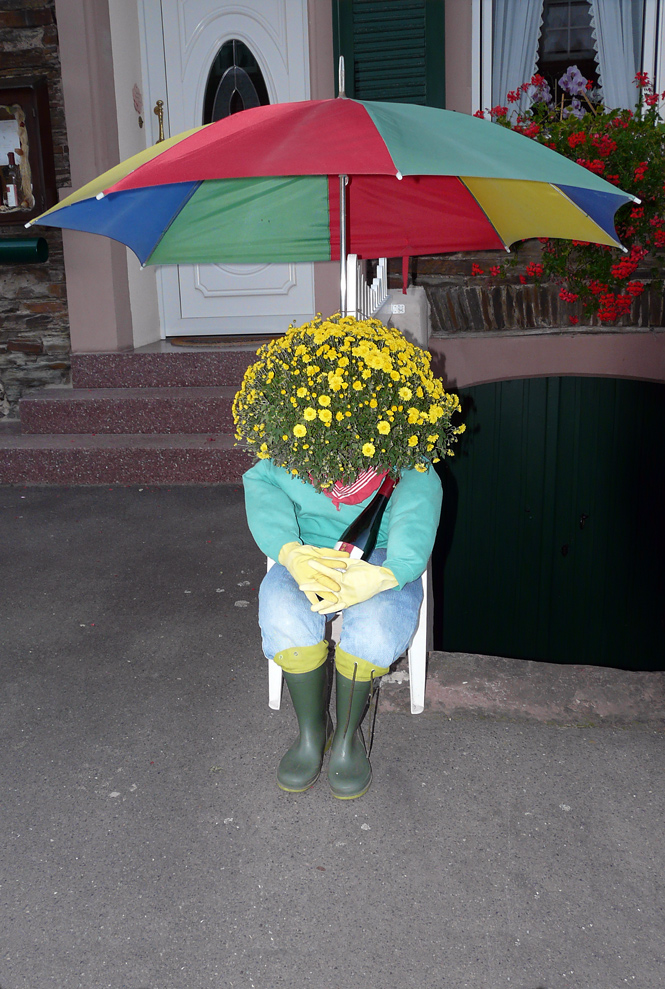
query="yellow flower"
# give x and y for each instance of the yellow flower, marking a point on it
(343, 353)
(421, 468)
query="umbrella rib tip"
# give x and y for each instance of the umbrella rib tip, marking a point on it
(100, 195)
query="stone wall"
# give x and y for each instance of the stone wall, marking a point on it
(34, 324)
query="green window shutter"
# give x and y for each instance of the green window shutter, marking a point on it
(393, 49)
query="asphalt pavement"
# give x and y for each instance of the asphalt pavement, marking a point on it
(145, 844)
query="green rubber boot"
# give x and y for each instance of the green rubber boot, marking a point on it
(349, 770)
(301, 765)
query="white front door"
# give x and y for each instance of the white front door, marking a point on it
(181, 39)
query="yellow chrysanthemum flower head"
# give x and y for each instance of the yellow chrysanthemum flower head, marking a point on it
(360, 393)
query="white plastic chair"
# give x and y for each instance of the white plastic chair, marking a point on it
(416, 654)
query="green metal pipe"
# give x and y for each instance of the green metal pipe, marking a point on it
(23, 250)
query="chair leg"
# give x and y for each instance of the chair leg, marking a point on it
(274, 671)
(274, 685)
(417, 654)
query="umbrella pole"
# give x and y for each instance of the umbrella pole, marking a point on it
(343, 292)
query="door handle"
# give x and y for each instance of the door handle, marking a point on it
(159, 113)
(583, 520)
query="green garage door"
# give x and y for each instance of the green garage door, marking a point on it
(553, 538)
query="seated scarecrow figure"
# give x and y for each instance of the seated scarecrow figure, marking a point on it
(334, 411)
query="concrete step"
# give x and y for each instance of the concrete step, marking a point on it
(128, 410)
(118, 458)
(162, 369)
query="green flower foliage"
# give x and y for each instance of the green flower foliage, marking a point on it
(627, 148)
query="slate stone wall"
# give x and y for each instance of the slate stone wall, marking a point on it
(34, 323)
(464, 303)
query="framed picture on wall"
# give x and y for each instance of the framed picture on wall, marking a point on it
(27, 171)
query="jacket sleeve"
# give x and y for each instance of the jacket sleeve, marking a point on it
(414, 512)
(271, 514)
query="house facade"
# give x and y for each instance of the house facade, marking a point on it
(123, 72)
(117, 61)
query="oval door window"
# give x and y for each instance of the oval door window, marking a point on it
(235, 82)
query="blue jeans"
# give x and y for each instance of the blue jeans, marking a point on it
(378, 630)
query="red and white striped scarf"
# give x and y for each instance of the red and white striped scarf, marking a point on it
(367, 482)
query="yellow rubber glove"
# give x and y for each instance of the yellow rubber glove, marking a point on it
(298, 560)
(359, 582)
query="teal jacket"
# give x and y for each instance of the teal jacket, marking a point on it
(281, 508)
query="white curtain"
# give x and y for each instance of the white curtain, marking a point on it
(517, 26)
(617, 30)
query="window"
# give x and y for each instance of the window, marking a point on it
(235, 83)
(608, 40)
(566, 39)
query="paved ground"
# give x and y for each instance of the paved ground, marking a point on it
(144, 844)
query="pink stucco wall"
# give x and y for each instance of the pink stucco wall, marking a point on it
(458, 55)
(96, 268)
(473, 359)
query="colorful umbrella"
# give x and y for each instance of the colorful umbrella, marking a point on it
(264, 185)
